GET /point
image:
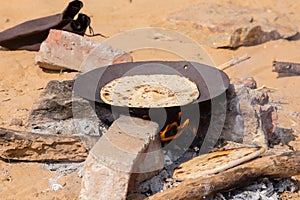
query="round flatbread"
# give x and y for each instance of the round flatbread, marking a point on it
(150, 91)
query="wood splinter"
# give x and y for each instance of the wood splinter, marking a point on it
(264, 87)
(234, 61)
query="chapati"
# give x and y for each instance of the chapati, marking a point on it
(149, 91)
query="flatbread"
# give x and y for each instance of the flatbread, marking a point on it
(215, 162)
(149, 91)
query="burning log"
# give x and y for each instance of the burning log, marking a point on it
(280, 164)
(27, 146)
(286, 67)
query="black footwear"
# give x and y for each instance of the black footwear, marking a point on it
(29, 35)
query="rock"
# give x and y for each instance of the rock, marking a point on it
(16, 122)
(58, 112)
(128, 153)
(269, 117)
(27, 146)
(258, 117)
(64, 50)
(228, 25)
(250, 118)
(233, 129)
(258, 98)
(250, 82)
(136, 196)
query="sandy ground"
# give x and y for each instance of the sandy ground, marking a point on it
(21, 81)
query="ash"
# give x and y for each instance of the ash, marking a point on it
(64, 168)
(164, 179)
(265, 189)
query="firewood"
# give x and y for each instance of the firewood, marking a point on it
(215, 162)
(286, 67)
(233, 62)
(279, 165)
(27, 146)
(264, 87)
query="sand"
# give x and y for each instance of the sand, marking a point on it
(21, 81)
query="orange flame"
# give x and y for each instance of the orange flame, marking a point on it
(169, 127)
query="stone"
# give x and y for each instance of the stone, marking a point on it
(127, 154)
(269, 117)
(55, 110)
(16, 122)
(233, 129)
(250, 82)
(58, 111)
(229, 25)
(259, 98)
(259, 117)
(250, 119)
(64, 50)
(28, 146)
(136, 196)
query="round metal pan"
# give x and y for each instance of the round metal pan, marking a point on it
(210, 81)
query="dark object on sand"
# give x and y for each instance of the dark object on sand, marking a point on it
(29, 35)
(286, 67)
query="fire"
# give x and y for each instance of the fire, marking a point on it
(173, 126)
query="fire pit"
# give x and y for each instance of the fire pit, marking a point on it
(211, 83)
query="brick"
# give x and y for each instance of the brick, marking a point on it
(129, 153)
(63, 50)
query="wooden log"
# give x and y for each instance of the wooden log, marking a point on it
(27, 146)
(286, 67)
(279, 165)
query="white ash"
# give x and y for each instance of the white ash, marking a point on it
(266, 189)
(61, 169)
(164, 179)
(64, 168)
(54, 186)
(283, 136)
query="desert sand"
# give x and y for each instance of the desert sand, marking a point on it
(21, 81)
